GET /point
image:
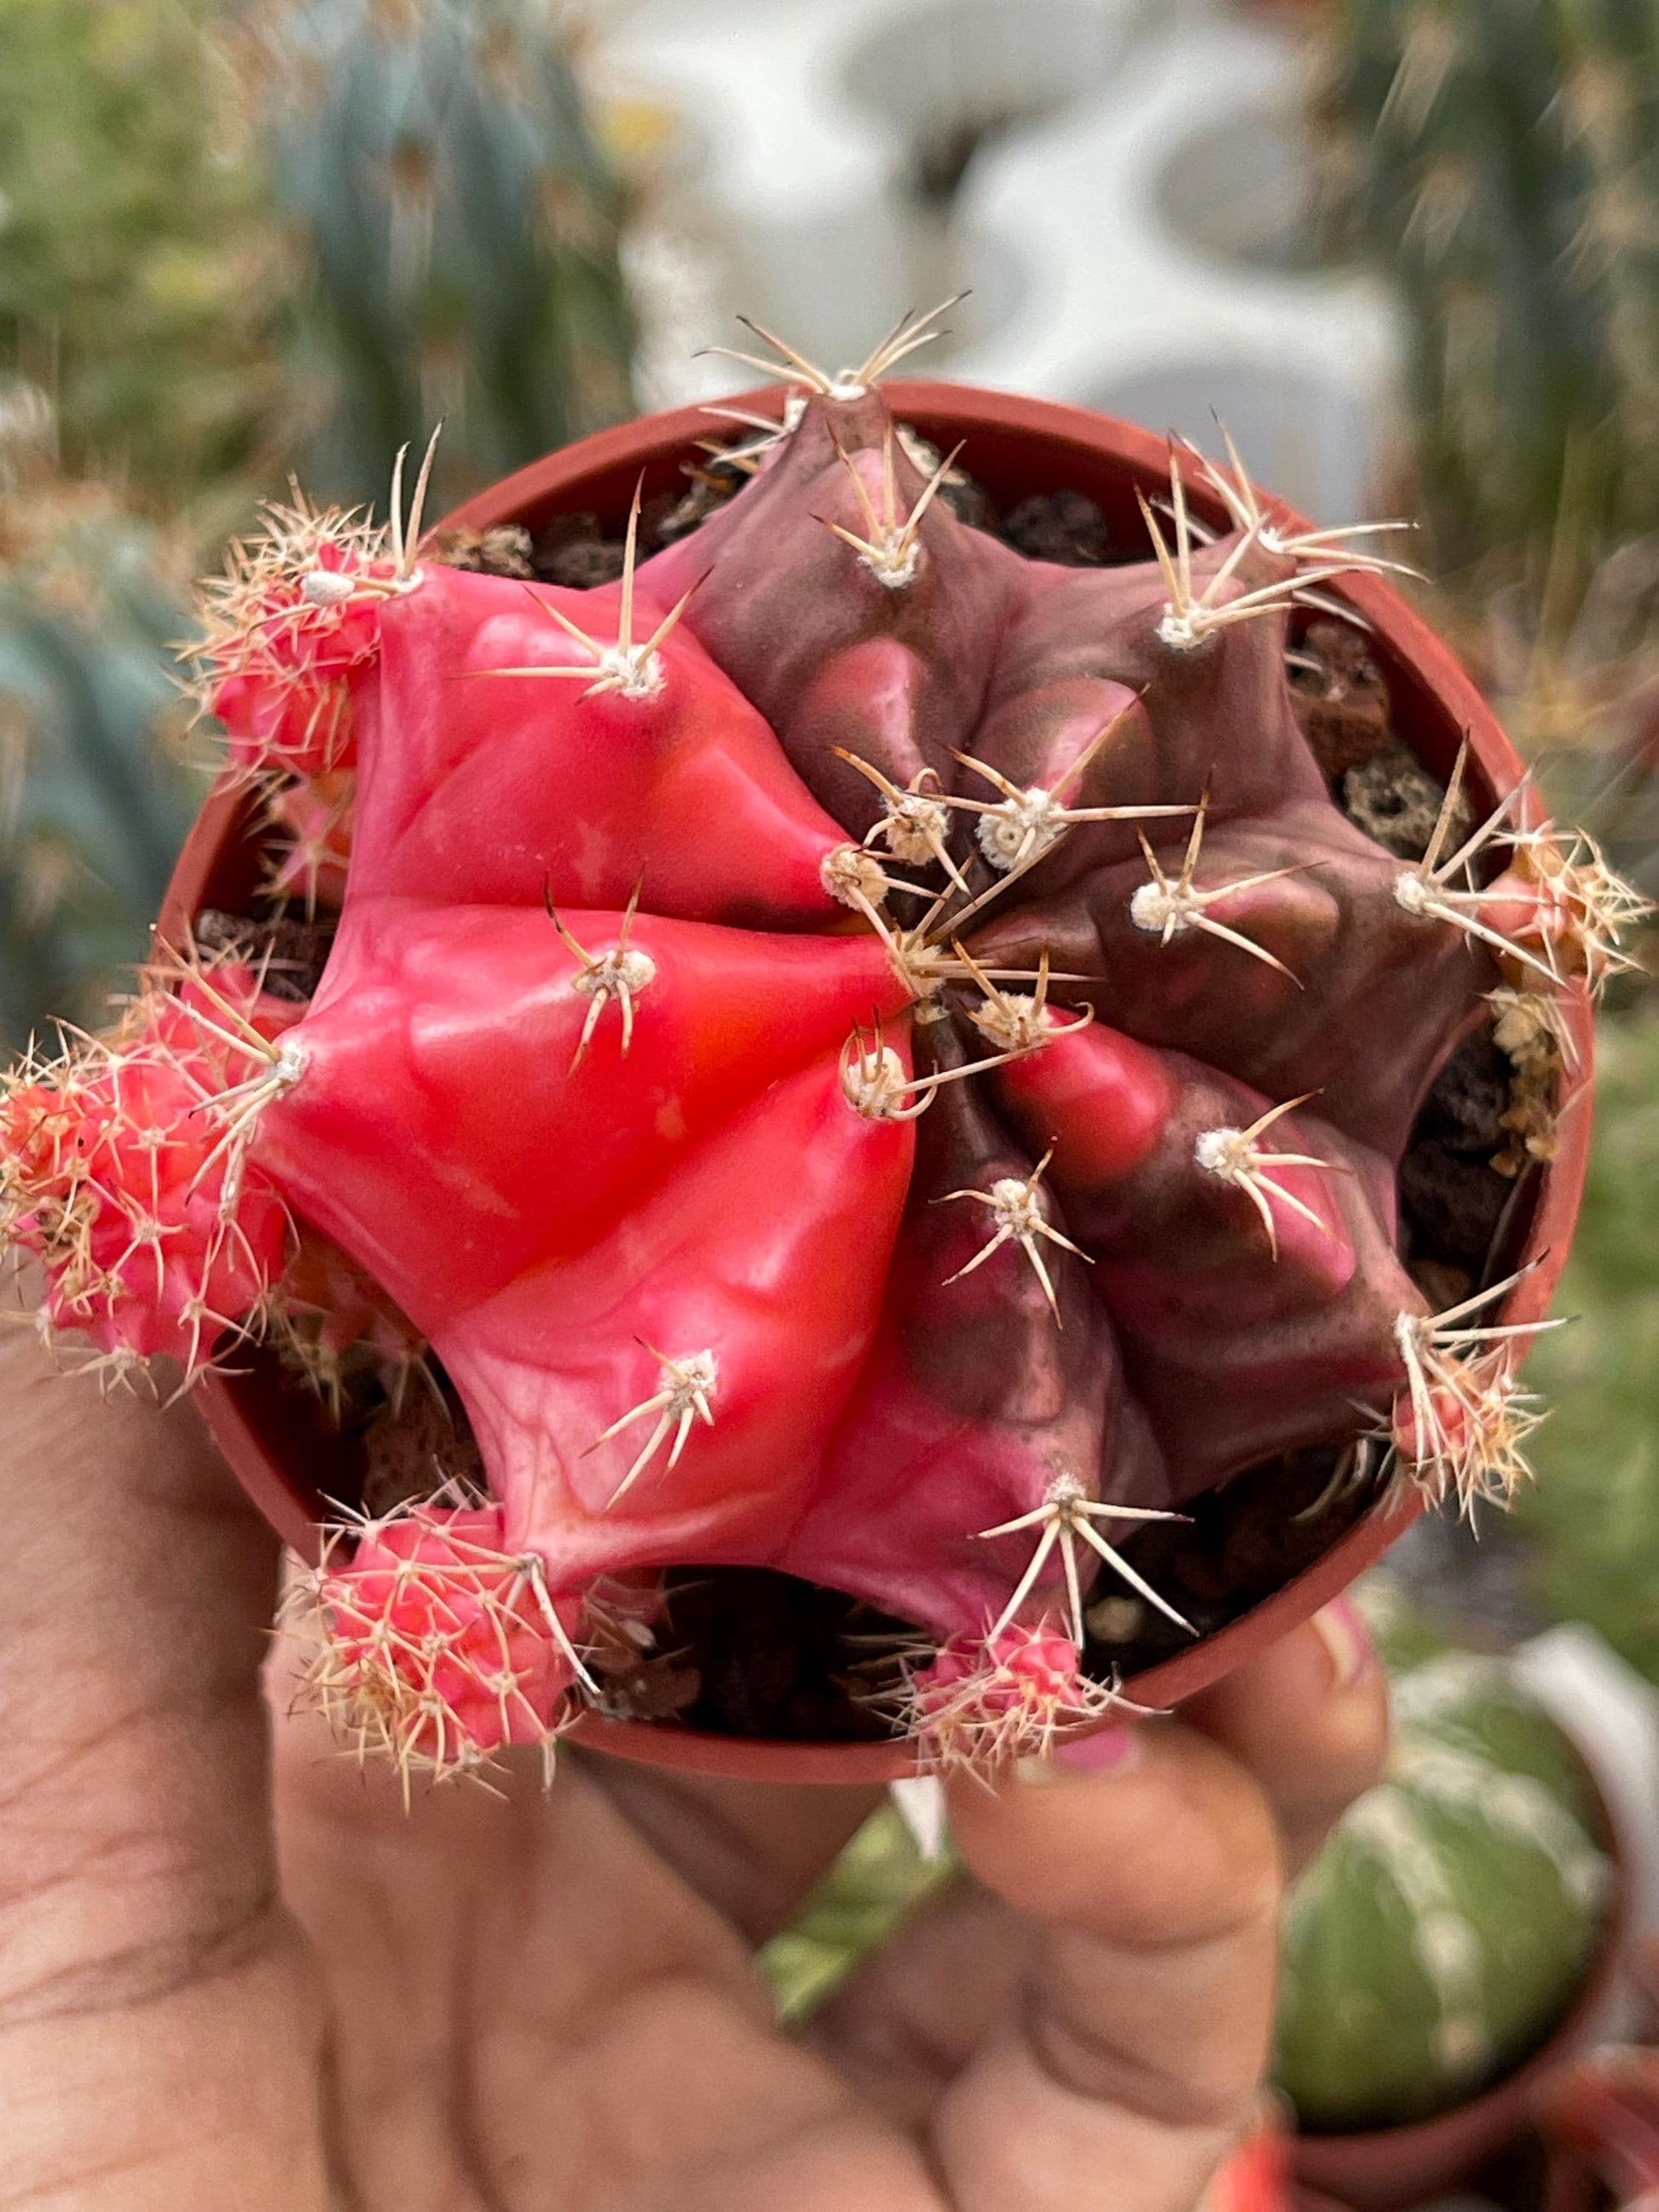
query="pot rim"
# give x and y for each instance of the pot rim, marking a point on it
(1065, 442)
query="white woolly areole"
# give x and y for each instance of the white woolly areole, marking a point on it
(634, 673)
(1155, 908)
(854, 877)
(326, 587)
(1020, 827)
(626, 969)
(1411, 892)
(1219, 1151)
(874, 1082)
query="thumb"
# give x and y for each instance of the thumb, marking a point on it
(1145, 1865)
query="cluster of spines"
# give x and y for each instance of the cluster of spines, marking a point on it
(974, 1707)
(123, 1171)
(428, 1643)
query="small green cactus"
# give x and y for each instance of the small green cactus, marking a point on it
(461, 227)
(1447, 1925)
(1500, 159)
(94, 799)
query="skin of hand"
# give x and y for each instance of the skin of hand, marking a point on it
(236, 1976)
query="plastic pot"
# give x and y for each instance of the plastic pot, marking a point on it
(1016, 448)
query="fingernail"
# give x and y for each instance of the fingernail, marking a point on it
(1107, 1751)
(1348, 1641)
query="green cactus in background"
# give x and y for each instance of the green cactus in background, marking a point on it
(1592, 1516)
(461, 229)
(1500, 159)
(223, 222)
(1452, 1917)
(93, 799)
(139, 280)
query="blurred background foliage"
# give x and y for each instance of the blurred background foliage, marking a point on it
(240, 238)
(93, 794)
(1592, 1518)
(243, 239)
(455, 230)
(1501, 159)
(141, 273)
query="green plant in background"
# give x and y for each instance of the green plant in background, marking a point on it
(1500, 159)
(94, 799)
(350, 215)
(459, 226)
(220, 224)
(877, 1880)
(138, 276)
(1445, 1928)
(1453, 1915)
(1592, 1516)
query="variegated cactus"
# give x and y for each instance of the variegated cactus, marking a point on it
(1454, 1915)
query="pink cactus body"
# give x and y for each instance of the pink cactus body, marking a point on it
(444, 1647)
(862, 1053)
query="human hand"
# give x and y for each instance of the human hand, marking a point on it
(236, 1976)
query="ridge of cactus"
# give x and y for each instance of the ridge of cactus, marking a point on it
(932, 1233)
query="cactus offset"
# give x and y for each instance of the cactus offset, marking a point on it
(920, 1222)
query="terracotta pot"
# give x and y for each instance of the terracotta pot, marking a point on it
(1389, 2169)
(1017, 446)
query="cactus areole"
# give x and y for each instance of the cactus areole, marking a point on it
(855, 1052)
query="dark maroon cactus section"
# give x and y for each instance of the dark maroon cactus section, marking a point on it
(1234, 1350)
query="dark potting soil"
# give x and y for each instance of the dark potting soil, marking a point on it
(293, 953)
(773, 1658)
(1392, 798)
(1452, 1199)
(1063, 526)
(577, 550)
(747, 1652)
(1340, 698)
(419, 1444)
